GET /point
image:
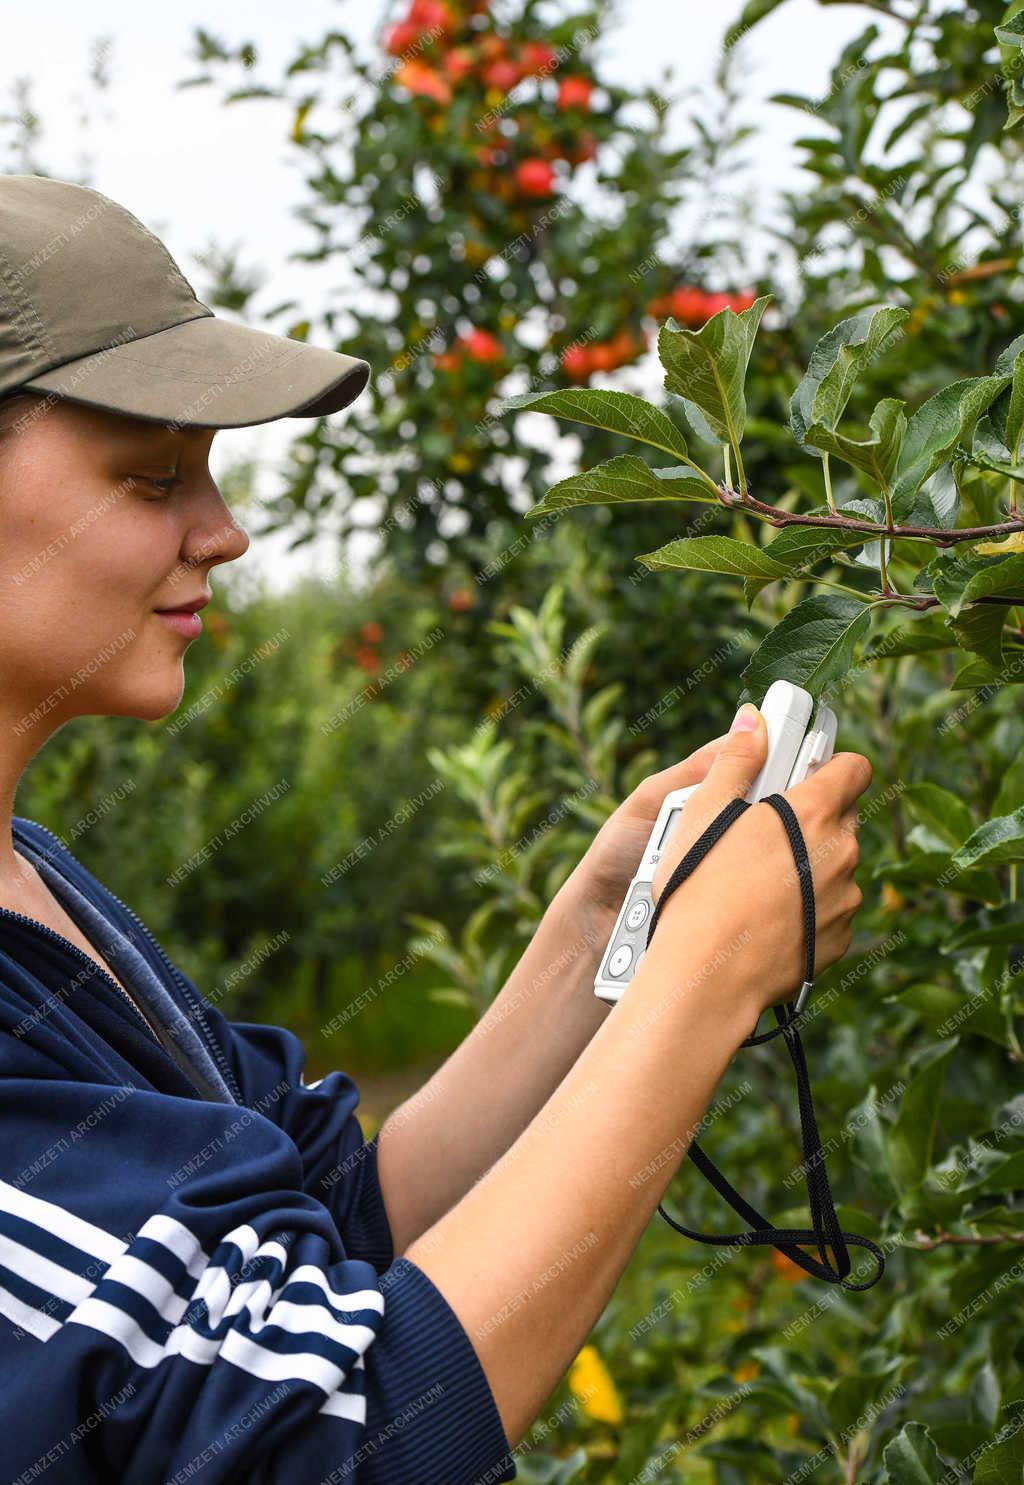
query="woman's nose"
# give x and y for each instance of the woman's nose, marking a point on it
(217, 539)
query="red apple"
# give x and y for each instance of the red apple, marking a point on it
(689, 305)
(576, 362)
(367, 659)
(715, 303)
(535, 177)
(449, 360)
(502, 74)
(574, 92)
(431, 15)
(458, 63)
(537, 56)
(401, 37)
(602, 356)
(481, 345)
(417, 77)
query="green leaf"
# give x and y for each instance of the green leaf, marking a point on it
(709, 365)
(1011, 787)
(751, 588)
(979, 629)
(988, 447)
(836, 386)
(615, 412)
(1001, 925)
(945, 813)
(1010, 35)
(909, 1142)
(626, 477)
(800, 547)
(947, 1012)
(978, 673)
(716, 554)
(937, 503)
(448, 995)
(933, 868)
(1003, 1462)
(875, 456)
(752, 12)
(814, 644)
(985, 1394)
(920, 635)
(935, 430)
(1006, 1174)
(961, 580)
(868, 1138)
(834, 365)
(699, 423)
(997, 841)
(1008, 412)
(912, 1458)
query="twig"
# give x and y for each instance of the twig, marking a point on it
(938, 536)
(923, 1241)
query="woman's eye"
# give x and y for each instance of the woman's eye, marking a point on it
(165, 486)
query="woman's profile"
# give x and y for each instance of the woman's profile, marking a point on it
(205, 1268)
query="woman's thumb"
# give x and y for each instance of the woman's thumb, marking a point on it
(738, 761)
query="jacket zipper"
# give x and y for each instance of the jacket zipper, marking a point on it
(211, 1041)
(94, 963)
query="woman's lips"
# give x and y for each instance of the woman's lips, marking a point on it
(188, 625)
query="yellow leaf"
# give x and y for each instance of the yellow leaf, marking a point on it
(747, 1372)
(1013, 543)
(891, 900)
(300, 119)
(591, 1385)
(793, 1423)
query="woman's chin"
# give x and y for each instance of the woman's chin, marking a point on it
(152, 702)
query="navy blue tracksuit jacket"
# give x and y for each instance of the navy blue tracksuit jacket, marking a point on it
(197, 1278)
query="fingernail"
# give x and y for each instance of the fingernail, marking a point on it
(745, 719)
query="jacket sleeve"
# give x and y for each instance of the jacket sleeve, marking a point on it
(174, 1303)
(339, 1166)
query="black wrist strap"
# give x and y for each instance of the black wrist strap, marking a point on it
(825, 1231)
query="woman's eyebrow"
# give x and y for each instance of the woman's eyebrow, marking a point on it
(158, 439)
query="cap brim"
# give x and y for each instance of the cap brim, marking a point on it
(210, 373)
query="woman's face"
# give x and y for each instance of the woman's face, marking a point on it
(104, 520)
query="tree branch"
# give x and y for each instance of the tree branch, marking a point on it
(938, 536)
(923, 1241)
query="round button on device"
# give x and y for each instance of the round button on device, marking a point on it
(620, 960)
(637, 914)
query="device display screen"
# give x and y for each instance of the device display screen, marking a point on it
(669, 824)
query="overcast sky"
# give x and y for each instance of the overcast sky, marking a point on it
(199, 173)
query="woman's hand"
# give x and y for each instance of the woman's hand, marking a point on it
(744, 896)
(605, 872)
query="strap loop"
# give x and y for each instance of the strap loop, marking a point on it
(825, 1231)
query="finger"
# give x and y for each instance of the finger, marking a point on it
(851, 820)
(737, 763)
(690, 770)
(842, 780)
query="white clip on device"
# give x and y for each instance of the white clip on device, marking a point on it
(794, 752)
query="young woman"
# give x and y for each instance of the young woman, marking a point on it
(203, 1264)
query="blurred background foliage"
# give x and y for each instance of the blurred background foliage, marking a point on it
(444, 735)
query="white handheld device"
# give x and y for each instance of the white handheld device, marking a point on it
(794, 752)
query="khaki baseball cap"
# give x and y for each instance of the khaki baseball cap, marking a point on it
(94, 309)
